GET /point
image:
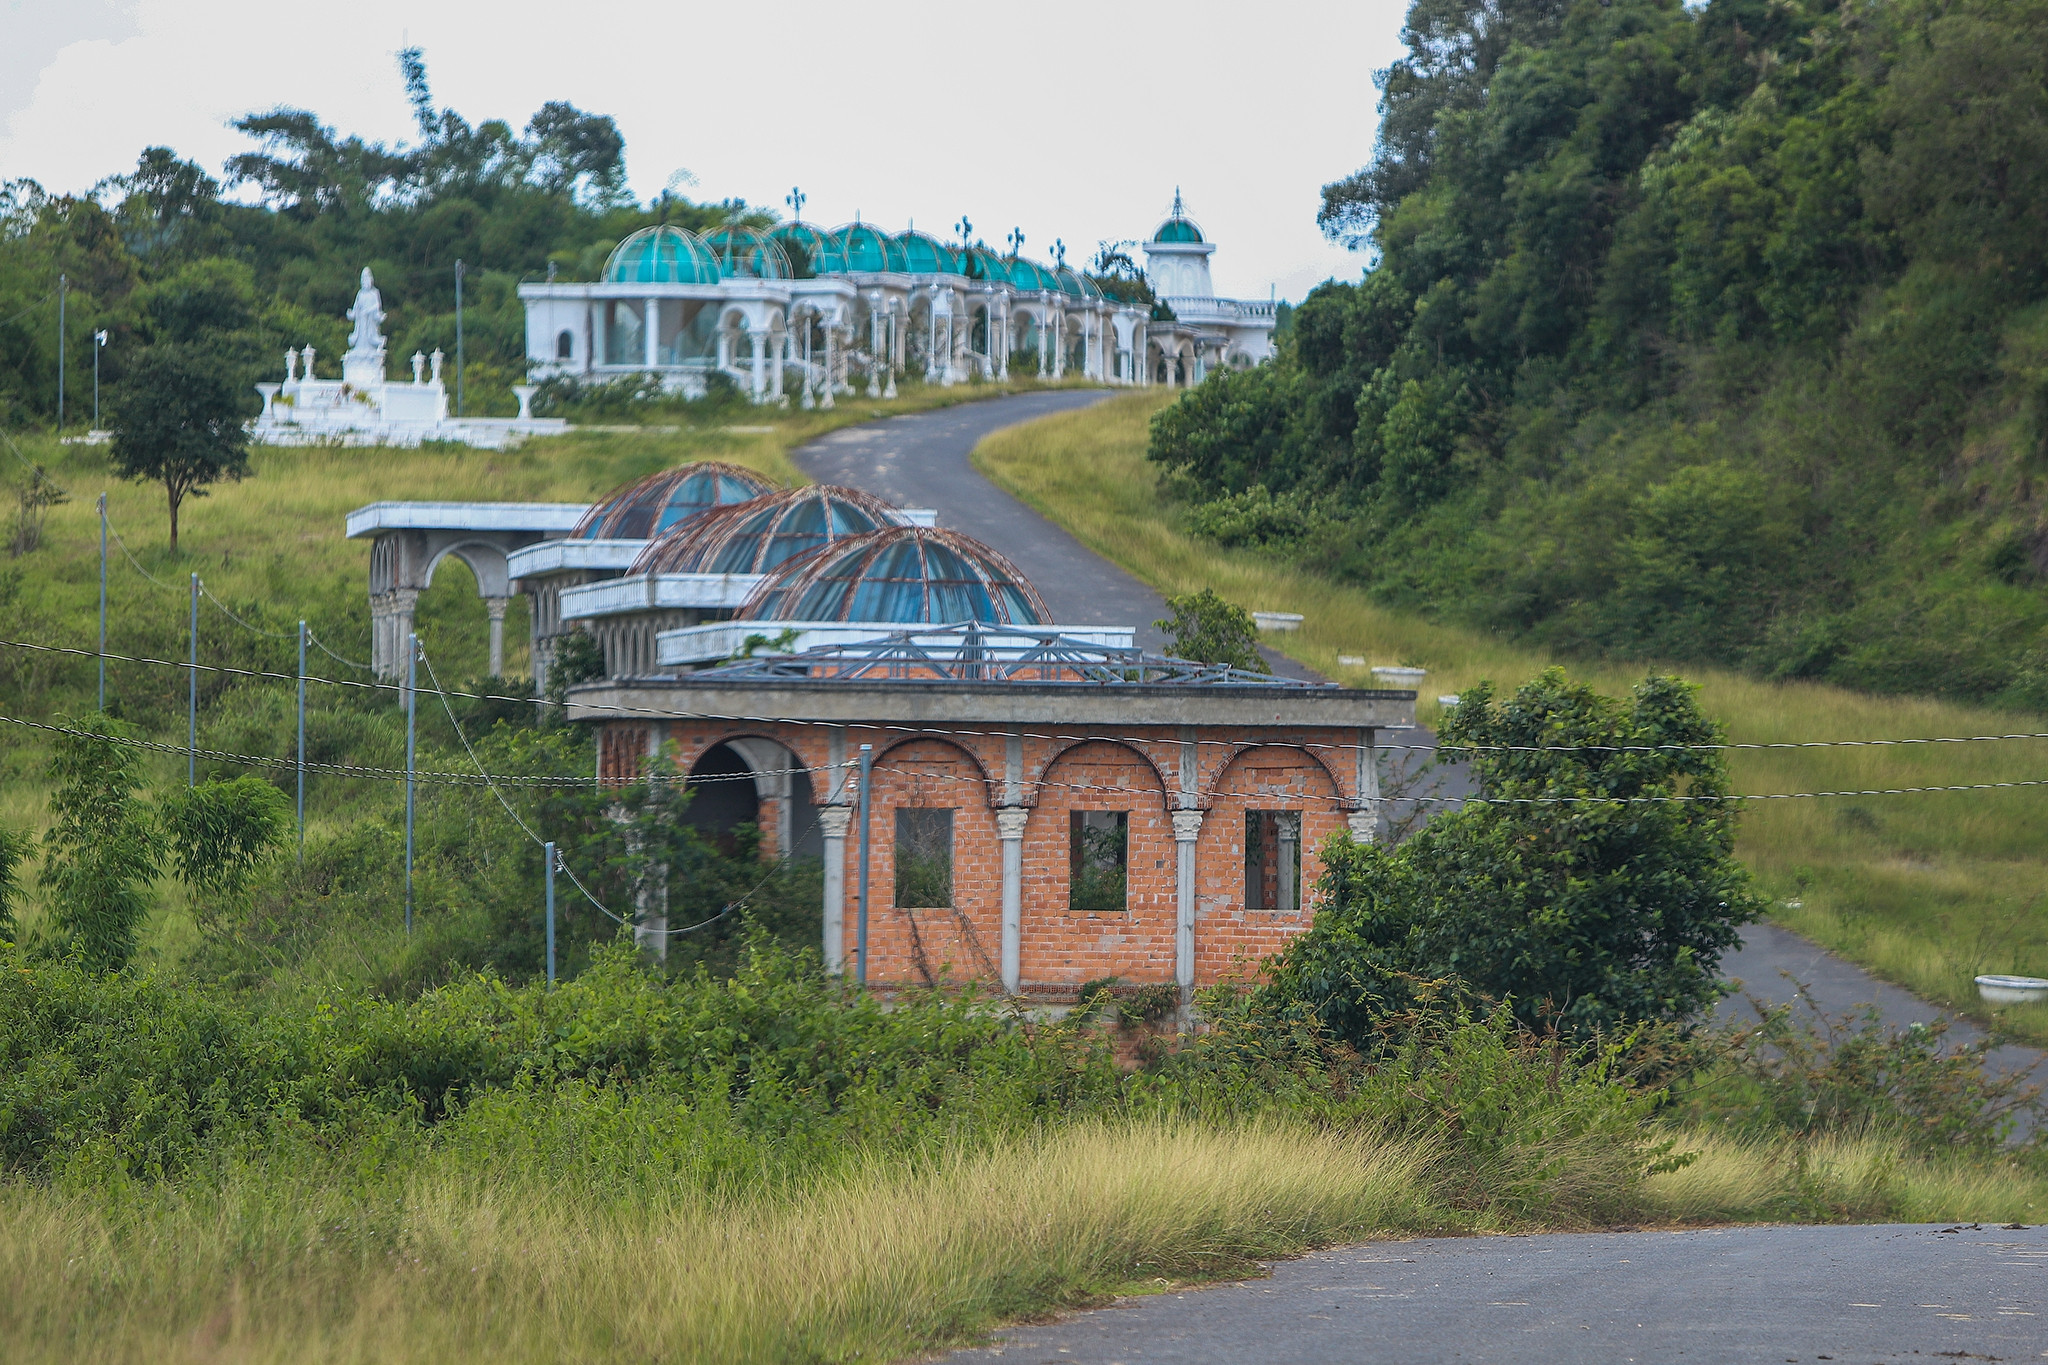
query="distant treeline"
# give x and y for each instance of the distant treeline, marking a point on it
(158, 256)
(1715, 333)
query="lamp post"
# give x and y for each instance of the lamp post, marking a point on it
(458, 338)
(63, 285)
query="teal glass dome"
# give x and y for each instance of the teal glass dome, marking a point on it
(869, 248)
(661, 255)
(979, 263)
(647, 507)
(1076, 285)
(744, 254)
(924, 254)
(765, 532)
(811, 251)
(1178, 229)
(1029, 275)
(908, 575)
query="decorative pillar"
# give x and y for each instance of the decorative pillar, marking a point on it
(1365, 820)
(1187, 826)
(651, 327)
(834, 821)
(775, 356)
(1288, 829)
(831, 359)
(1010, 822)
(391, 619)
(496, 607)
(758, 344)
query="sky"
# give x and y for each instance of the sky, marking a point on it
(1069, 120)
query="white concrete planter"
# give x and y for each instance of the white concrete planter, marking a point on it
(1277, 620)
(1389, 675)
(2012, 990)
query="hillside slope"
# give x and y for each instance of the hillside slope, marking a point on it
(1715, 334)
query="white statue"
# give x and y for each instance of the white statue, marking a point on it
(368, 316)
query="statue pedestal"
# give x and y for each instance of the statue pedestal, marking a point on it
(360, 370)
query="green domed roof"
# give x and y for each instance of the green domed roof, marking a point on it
(1077, 285)
(1029, 274)
(743, 253)
(902, 574)
(868, 248)
(661, 255)
(647, 507)
(979, 263)
(924, 254)
(1178, 229)
(761, 534)
(811, 251)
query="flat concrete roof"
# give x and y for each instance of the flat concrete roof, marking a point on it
(465, 516)
(660, 591)
(1105, 705)
(565, 556)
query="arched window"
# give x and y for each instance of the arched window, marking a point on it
(565, 345)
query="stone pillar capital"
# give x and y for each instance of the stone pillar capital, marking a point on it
(496, 607)
(834, 821)
(1187, 825)
(1010, 821)
(1364, 824)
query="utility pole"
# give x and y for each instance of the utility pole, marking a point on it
(103, 602)
(458, 338)
(192, 697)
(63, 286)
(867, 773)
(99, 341)
(302, 744)
(549, 854)
(412, 696)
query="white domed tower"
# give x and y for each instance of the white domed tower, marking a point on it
(1177, 257)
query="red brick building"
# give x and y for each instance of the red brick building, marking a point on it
(1041, 811)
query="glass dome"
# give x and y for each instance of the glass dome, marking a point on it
(1029, 274)
(924, 254)
(647, 507)
(745, 254)
(1178, 229)
(979, 263)
(1074, 283)
(661, 255)
(762, 533)
(869, 248)
(912, 575)
(811, 251)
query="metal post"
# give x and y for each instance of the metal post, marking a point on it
(551, 913)
(412, 695)
(302, 744)
(103, 602)
(867, 772)
(192, 697)
(63, 287)
(99, 340)
(458, 338)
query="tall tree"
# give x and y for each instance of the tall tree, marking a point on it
(177, 422)
(99, 856)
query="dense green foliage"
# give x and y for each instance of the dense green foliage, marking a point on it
(1710, 333)
(1206, 628)
(159, 257)
(1596, 885)
(178, 422)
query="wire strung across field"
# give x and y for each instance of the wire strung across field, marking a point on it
(937, 732)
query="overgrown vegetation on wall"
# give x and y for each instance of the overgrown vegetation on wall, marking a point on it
(1706, 333)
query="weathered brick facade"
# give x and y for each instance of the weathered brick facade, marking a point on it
(1200, 782)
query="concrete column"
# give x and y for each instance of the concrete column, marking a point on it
(758, 344)
(1289, 830)
(496, 607)
(834, 822)
(1187, 827)
(775, 356)
(1010, 822)
(1365, 820)
(831, 360)
(391, 615)
(894, 335)
(651, 326)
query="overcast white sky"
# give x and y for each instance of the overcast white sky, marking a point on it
(1069, 119)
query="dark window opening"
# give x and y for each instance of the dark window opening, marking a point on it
(924, 858)
(722, 798)
(1098, 851)
(1272, 860)
(565, 345)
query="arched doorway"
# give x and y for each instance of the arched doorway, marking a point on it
(722, 797)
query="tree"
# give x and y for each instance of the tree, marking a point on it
(1208, 629)
(1596, 884)
(98, 858)
(221, 833)
(14, 851)
(177, 421)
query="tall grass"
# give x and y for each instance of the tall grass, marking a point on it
(1927, 890)
(881, 1261)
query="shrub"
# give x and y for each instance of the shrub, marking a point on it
(99, 856)
(1210, 630)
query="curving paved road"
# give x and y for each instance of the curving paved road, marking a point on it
(1733, 1294)
(1888, 1294)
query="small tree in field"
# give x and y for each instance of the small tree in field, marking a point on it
(98, 857)
(177, 422)
(14, 851)
(221, 834)
(1595, 886)
(1209, 630)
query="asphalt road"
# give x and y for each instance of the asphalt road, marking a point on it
(1861, 1294)
(1735, 1294)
